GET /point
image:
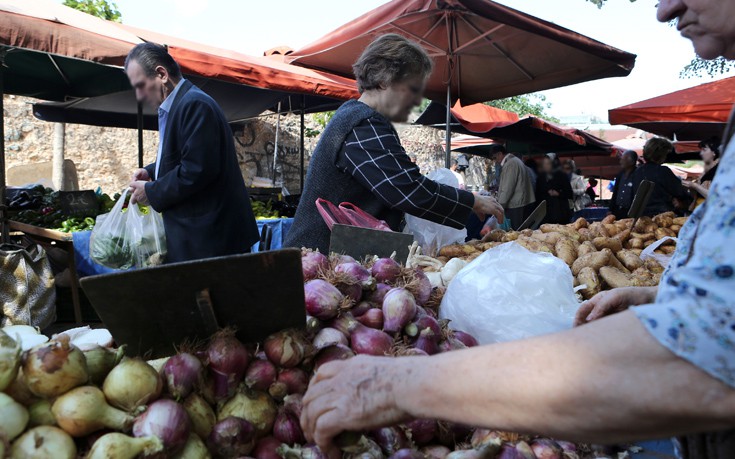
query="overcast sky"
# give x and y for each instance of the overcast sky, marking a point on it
(251, 26)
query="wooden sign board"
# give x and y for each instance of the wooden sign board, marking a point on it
(361, 242)
(153, 310)
(79, 203)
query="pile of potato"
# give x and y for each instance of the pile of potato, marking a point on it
(601, 255)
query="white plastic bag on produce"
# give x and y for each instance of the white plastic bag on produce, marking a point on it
(433, 236)
(511, 293)
(663, 260)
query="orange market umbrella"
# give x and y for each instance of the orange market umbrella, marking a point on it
(481, 50)
(695, 113)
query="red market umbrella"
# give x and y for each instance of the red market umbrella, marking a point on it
(481, 50)
(695, 113)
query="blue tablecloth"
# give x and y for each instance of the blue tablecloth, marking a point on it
(592, 214)
(279, 227)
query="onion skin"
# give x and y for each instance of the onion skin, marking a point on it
(377, 296)
(40, 414)
(43, 442)
(312, 263)
(285, 349)
(427, 342)
(100, 361)
(115, 445)
(54, 368)
(278, 391)
(84, 410)
(351, 291)
(407, 453)
(260, 375)
(322, 299)
(391, 439)
(183, 373)
(194, 448)
(267, 448)
(362, 307)
(386, 270)
(166, 420)
(520, 451)
(13, 418)
(9, 359)
(399, 307)
(370, 341)
(305, 452)
(294, 404)
(435, 452)
(423, 431)
(546, 449)
(357, 274)
(255, 407)
(287, 429)
(231, 437)
(374, 318)
(132, 383)
(466, 339)
(328, 336)
(295, 379)
(201, 415)
(228, 360)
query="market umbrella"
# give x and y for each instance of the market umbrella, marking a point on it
(481, 50)
(695, 113)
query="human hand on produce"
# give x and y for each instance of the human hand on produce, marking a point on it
(613, 301)
(487, 205)
(140, 174)
(354, 395)
(138, 193)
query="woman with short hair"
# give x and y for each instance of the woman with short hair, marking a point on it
(709, 150)
(668, 187)
(359, 158)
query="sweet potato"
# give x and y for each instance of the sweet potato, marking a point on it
(550, 238)
(643, 236)
(647, 243)
(510, 236)
(534, 245)
(595, 260)
(457, 250)
(641, 224)
(629, 259)
(623, 236)
(680, 221)
(675, 228)
(608, 220)
(561, 229)
(636, 251)
(614, 278)
(635, 243)
(668, 249)
(626, 223)
(653, 266)
(597, 229)
(585, 248)
(565, 250)
(614, 262)
(607, 243)
(584, 234)
(661, 233)
(663, 220)
(641, 277)
(612, 230)
(527, 232)
(495, 235)
(579, 224)
(588, 277)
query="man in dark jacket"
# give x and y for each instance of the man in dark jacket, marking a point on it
(668, 189)
(622, 197)
(195, 182)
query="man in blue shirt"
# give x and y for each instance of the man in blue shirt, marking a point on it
(196, 181)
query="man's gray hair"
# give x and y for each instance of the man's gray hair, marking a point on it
(149, 56)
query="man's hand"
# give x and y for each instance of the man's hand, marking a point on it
(487, 205)
(354, 395)
(138, 195)
(613, 301)
(140, 174)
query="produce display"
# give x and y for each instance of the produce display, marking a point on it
(48, 213)
(602, 255)
(74, 396)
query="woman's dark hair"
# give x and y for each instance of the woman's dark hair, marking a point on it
(389, 59)
(713, 143)
(149, 56)
(531, 164)
(657, 149)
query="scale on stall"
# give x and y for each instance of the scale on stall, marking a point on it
(153, 310)
(360, 242)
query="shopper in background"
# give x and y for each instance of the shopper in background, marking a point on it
(460, 177)
(553, 186)
(622, 197)
(709, 150)
(668, 187)
(515, 190)
(579, 188)
(591, 193)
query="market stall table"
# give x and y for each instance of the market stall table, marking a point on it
(279, 228)
(592, 214)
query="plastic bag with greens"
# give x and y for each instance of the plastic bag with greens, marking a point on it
(131, 237)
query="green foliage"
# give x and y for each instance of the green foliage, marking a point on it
(321, 119)
(699, 67)
(526, 104)
(98, 8)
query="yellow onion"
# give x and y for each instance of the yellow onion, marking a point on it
(100, 361)
(131, 384)
(18, 389)
(43, 442)
(115, 445)
(55, 367)
(40, 414)
(194, 448)
(258, 408)
(9, 360)
(13, 417)
(201, 414)
(84, 410)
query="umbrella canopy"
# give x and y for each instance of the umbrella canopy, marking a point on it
(482, 50)
(690, 114)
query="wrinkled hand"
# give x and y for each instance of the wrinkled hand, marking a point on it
(611, 302)
(138, 193)
(353, 395)
(140, 174)
(553, 193)
(487, 205)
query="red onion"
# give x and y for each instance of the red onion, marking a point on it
(483, 436)
(420, 324)
(412, 352)
(345, 323)
(332, 353)
(373, 319)
(228, 359)
(423, 431)
(378, 295)
(399, 307)
(294, 404)
(166, 420)
(339, 259)
(435, 452)
(356, 273)
(295, 379)
(451, 344)
(407, 453)
(231, 437)
(312, 263)
(329, 336)
(260, 375)
(567, 446)
(182, 373)
(450, 433)
(267, 448)
(286, 348)
(546, 449)
(390, 439)
(313, 325)
(421, 287)
(322, 299)
(427, 342)
(367, 340)
(362, 307)
(520, 451)
(351, 291)
(466, 454)
(304, 452)
(386, 270)
(466, 339)
(287, 428)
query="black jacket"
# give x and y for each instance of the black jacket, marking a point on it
(623, 195)
(558, 209)
(200, 190)
(667, 187)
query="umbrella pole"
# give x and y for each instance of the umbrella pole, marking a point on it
(301, 149)
(3, 209)
(448, 137)
(275, 147)
(140, 135)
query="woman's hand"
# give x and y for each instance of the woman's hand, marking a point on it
(613, 301)
(487, 205)
(354, 395)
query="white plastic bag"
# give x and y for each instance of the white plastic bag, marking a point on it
(511, 293)
(663, 260)
(128, 237)
(433, 236)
